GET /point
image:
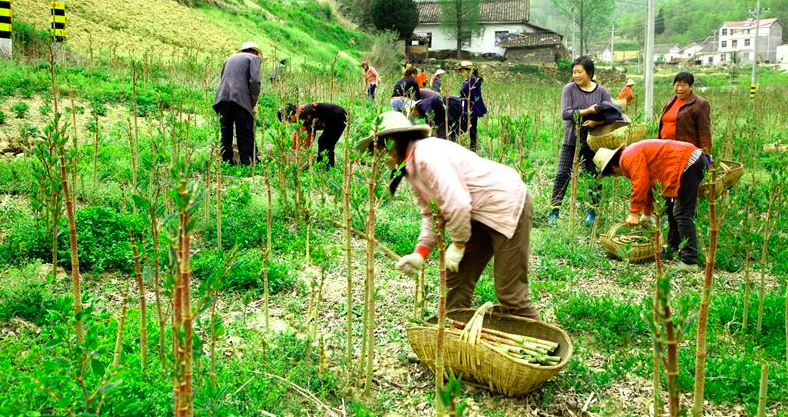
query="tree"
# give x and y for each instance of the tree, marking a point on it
(400, 16)
(659, 23)
(461, 19)
(591, 17)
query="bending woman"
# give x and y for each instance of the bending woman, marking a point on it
(329, 118)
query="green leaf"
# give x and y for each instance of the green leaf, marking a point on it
(98, 367)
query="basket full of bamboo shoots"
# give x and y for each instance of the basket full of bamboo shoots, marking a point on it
(507, 354)
(728, 175)
(634, 245)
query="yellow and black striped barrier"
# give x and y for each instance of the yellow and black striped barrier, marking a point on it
(5, 19)
(753, 89)
(58, 13)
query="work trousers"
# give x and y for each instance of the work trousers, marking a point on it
(328, 141)
(234, 116)
(510, 270)
(371, 91)
(474, 121)
(564, 172)
(682, 211)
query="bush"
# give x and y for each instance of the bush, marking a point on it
(246, 273)
(20, 110)
(23, 294)
(103, 239)
(22, 237)
(400, 16)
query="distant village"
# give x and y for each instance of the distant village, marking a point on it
(506, 32)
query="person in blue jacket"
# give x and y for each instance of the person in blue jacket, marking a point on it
(473, 102)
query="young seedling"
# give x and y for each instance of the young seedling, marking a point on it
(440, 351)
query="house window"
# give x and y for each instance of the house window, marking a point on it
(734, 43)
(725, 32)
(724, 44)
(711, 60)
(747, 41)
(722, 57)
(748, 31)
(466, 39)
(429, 39)
(500, 36)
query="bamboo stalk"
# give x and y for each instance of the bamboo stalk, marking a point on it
(515, 338)
(763, 389)
(370, 324)
(267, 251)
(385, 249)
(440, 350)
(95, 152)
(143, 307)
(655, 357)
(218, 198)
(347, 183)
(575, 175)
(764, 257)
(121, 322)
(703, 316)
(72, 238)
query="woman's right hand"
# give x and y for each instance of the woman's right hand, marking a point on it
(590, 110)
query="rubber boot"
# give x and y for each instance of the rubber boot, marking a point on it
(553, 217)
(590, 217)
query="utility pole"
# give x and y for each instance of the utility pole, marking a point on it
(6, 27)
(753, 83)
(574, 34)
(649, 61)
(612, 40)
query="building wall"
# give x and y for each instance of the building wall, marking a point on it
(742, 42)
(481, 43)
(533, 55)
(782, 54)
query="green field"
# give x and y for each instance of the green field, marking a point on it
(288, 357)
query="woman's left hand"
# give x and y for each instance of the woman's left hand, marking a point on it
(591, 123)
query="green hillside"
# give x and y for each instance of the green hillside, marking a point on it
(303, 31)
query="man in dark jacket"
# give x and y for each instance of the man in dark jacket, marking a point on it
(433, 110)
(236, 101)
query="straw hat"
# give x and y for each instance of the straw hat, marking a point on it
(603, 157)
(439, 72)
(393, 122)
(610, 127)
(630, 82)
(466, 65)
(253, 46)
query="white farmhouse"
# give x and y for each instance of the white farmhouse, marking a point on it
(782, 54)
(737, 40)
(691, 51)
(667, 53)
(500, 20)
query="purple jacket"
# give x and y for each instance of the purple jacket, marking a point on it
(474, 84)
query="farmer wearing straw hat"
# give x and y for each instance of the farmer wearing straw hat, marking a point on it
(371, 79)
(626, 92)
(678, 167)
(471, 93)
(435, 81)
(236, 101)
(484, 206)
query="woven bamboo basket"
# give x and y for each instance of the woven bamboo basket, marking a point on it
(627, 246)
(625, 135)
(478, 362)
(731, 173)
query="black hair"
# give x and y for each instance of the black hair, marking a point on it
(684, 77)
(289, 110)
(410, 72)
(587, 64)
(401, 145)
(283, 62)
(614, 162)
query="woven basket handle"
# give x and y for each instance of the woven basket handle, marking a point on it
(613, 230)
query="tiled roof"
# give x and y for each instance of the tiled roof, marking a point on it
(491, 11)
(661, 49)
(749, 23)
(525, 40)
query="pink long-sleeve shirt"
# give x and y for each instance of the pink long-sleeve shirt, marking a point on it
(465, 187)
